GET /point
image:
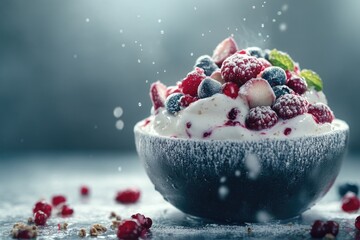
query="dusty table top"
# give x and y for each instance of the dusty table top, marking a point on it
(26, 178)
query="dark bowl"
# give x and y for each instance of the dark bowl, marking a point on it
(243, 181)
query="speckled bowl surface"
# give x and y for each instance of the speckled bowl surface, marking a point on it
(243, 181)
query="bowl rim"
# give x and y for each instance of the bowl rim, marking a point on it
(342, 127)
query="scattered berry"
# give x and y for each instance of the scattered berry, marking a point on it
(357, 222)
(223, 50)
(350, 203)
(332, 227)
(129, 195)
(298, 84)
(84, 191)
(217, 76)
(172, 103)
(260, 118)
(158, 94)
(44, 207)
(66, 211)
(255, 51)
(257, 92)
(208, 87)
(239, 68)
(318, 229)
(289, 106)
(40, 218)
(348, 187)
(145, 222)
(129, 229)
(274, 75)
(207, 64)
(186, 100)
(321, 113)
(230, 89)
(281, 90)
(57, 200)
(190, 84)
(23, 231)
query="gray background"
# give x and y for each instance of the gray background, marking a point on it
(62, 75)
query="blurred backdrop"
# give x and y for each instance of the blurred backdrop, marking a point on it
(66, 65)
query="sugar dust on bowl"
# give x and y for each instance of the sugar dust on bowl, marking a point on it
(279, 178)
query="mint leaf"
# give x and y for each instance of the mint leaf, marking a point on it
(281, 59)
(312, 79)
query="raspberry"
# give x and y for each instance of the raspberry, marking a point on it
(230, 89)
(40, 218)
(186, 100)
(189, 85)
(128, 196)
(239, 68)
(43, 206)
(298, 84)
(289, 106)
(145, 222)
(321, 113)
(350, 203)
(318, 229)
(57, 200)
(129, 229)
(332, 227)
(84, 191)
(66, 211)
(260, 118)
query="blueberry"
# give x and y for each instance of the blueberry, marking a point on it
(172, 103)
(205, 62)
(208, 87)
(274, 75)
(255, 51)
(282, 90)
(348, 187)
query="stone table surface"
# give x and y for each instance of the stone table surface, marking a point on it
(26, 178)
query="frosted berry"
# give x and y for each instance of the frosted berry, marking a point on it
(321, 113)
(208, 87)
(348, 187)
(223, 50)
(84, 191)
(145, 222)
(289, 106)
(127, 196)
(265, 63)
(172, 89)
(260, 118)
(172, 103)
(66, 211)
(44, 207)
(158, 94)
(190, 84)
(233, 113)
(186, 100)
(350, 203)
(298, 84)
(281, 90)
(255, 51)
(58, 199)
(207, 64)
(357, 222)
(239, 68)
(40, 218)
(332, 228)
(274, 75)
(318, 229)
(129, 229)
(230, 89)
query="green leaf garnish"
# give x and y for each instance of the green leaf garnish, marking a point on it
(281, 59)
(312, 79)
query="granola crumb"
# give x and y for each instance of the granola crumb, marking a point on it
(82, 233)
(329, 236)
(97, 229)
(63, 226)
(30, 220)
(21, 229)
(249, 230)
(118, 218)
(115, 224)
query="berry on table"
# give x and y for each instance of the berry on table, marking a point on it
(281, 90)
(298, 84)
(348, 187)
(191, 82)
(43, 206)
(57, 200)
(127, 196)
(172, 103)
(208, 87)
(257, 92)
(84, 190)
(274, 75)
(321, 113)
(223, 50)
(239, 68)
(332, 227)
(260, 118)
(66, 211)
(318, 229)
(145, 222)
(40, 218)
(289, 106)
(350, 203)
(207, 64)
(230, 89)
(129, 229)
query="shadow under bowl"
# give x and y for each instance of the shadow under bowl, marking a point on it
(243, 181)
